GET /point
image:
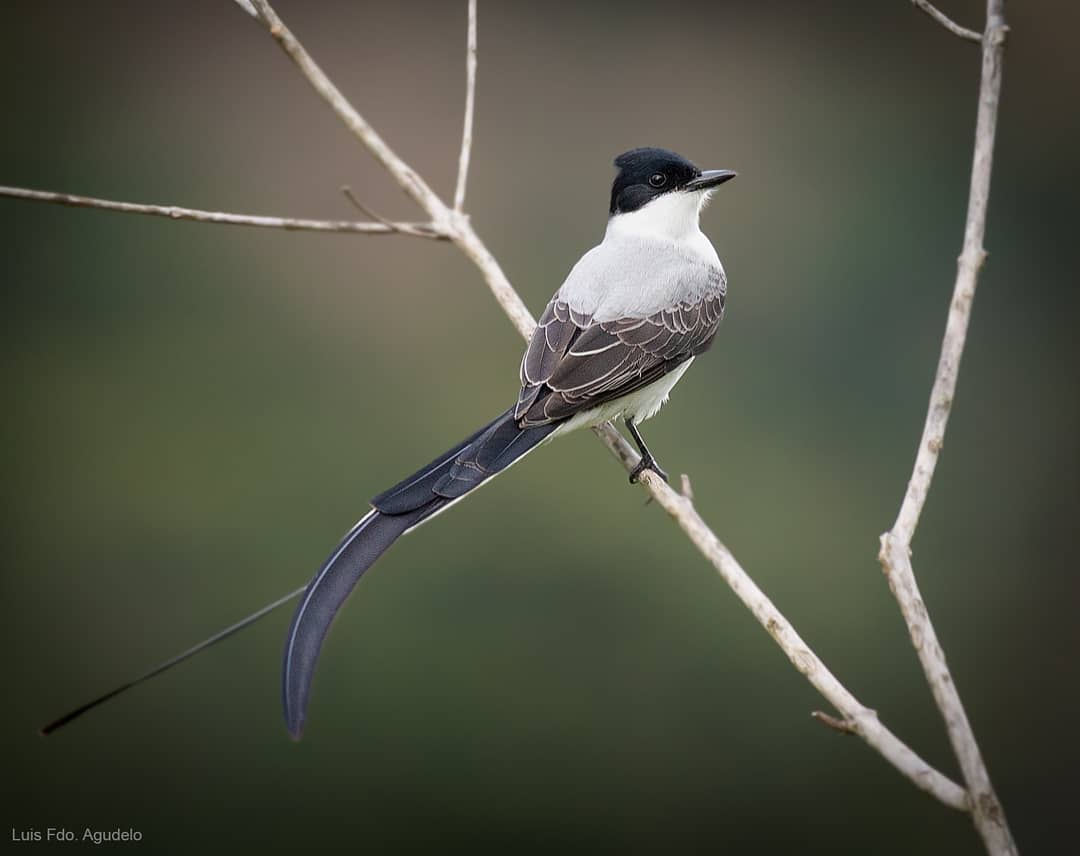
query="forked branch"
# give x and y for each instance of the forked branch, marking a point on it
(895, 556)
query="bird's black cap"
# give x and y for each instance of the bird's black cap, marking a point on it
(647, 173)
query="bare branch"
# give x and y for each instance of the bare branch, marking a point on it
(864, 720)
(470, 244)
(470, 102)
(947, 22)
(174, 212)
(895, 555)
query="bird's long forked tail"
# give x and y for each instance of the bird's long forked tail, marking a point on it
(436, 487)
(403, 507)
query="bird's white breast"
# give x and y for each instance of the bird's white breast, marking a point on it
(650, 260)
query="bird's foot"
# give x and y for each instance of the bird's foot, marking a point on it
(647, 462)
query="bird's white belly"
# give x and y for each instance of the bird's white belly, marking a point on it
(639, 405)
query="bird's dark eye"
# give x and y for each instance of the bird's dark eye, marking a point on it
(657, 179)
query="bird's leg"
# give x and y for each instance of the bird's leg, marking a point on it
(647, 462)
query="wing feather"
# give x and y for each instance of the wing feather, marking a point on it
(574, 363)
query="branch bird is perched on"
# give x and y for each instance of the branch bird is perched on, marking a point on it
(612, 342)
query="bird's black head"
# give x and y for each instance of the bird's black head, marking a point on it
(646, 173)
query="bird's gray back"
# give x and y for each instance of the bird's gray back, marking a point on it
(633, 277)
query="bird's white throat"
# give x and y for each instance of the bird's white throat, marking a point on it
(673, 217)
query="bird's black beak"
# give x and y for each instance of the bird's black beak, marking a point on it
(710, 178)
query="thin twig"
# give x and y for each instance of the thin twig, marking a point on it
(470, 102)
(864, 720)
(947, 22)
(247, 7)
(841, 725)
(423, 230)
(895, 556)
(175, 212)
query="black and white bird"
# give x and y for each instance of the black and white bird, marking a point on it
(615, 338)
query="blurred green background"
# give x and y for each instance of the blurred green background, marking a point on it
(196, 413)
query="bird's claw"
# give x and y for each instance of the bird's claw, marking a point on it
(647, 463)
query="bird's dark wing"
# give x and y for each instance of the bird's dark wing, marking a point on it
(573, 363)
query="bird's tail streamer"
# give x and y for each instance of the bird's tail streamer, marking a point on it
(403, 507)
